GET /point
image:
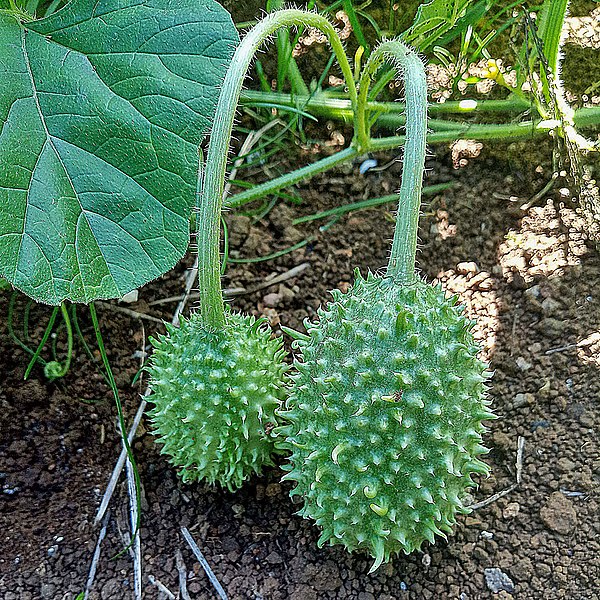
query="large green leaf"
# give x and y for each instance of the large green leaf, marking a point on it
(103, 106)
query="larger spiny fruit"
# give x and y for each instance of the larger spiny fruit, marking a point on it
(384, 422)
(215, 395)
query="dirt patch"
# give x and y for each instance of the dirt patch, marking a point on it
(530, 280)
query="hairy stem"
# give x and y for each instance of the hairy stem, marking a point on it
(209, 217)
(401, 264)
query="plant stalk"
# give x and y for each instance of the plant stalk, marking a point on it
(209, 212)
(401, 264)
(586, 117)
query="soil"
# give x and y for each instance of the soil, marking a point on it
(527, 274)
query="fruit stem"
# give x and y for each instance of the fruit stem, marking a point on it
(401, 264)
(211, 196)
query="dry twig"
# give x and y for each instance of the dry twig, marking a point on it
(94, 566)
(162, 588)
(190, 540)
(511, 488)
(128, 311)
(181, 569)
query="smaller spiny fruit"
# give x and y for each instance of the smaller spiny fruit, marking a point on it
(215, 396)
(384, 420)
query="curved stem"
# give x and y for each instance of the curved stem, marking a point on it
(209, 217)
(55, 369)
(47, 332)
(401, 264)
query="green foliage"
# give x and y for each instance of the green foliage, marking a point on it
(433, 20)
(384, 421)
(215, 395)
(102, 110)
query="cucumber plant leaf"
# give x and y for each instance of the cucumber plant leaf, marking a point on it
(103, 106)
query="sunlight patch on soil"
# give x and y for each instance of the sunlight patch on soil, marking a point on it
(548, 242)
(584, 31)
(477, 291)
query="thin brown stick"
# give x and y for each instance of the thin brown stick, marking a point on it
(511, 488)
(209, 572)
(96, 558)
(181, 569)
(267, 283)
(161, 587)
(128, 311)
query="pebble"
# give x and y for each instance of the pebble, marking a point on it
(482, 281)
(558, 514)
(533, 295)
(511, 510)
(467, 267)
(550, 306)
(497, 581)
(522, 400)
(273, 489)
(551, 327)
(523, 364)
(501, 441)
(286, 293)
(587, 419)
(272, 300)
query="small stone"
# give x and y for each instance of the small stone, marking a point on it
(272, 316)
(497, 581)
(274, 558)
(272, 300)
(501, 441)
(511, 510)
(194, 587)
(522, 570)
(131, 297)
(48, 590)
(551, 327)
(523, 364)
(303, 592)
(533, 295)
(273, 489)
(239, 228)
(522, 400)
(587, 419)
(550, 306)
(286, 294)
(467, 267)
(565, 465)
(558, 514)
(482, 281)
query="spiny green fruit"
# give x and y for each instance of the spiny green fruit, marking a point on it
(215, 395)
(384, 420)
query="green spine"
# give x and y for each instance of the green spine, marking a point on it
(215, 395)
(384, 421)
